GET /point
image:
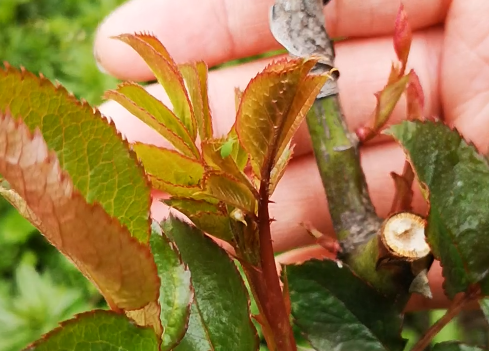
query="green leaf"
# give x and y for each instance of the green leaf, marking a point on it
(104, 251)
(230, 191)
(272, 107)
(337, 310)
(166, 72)
(221, 312)
(208, 217)
(176, 292)
(455, 346)
(98, 161)
(195, 75)
(239, 155)
(484, 304)
(154, 113)
(170, 171)
(456, 180)
(196, 338)
(98, 330)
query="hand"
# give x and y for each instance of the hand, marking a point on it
(450, 53)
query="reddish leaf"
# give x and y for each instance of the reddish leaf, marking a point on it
(414, 97)
(120, 267)
(154, 113)
(402, 37)
(403, 197)
(166, 72)
(272, 107)
(195, 76)
(386, 101)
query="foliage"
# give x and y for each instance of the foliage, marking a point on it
(37, 307)
(453, 231)
(55, 38)
(169, 285)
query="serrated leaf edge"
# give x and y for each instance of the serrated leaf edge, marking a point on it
(74, 320)
(58, 88)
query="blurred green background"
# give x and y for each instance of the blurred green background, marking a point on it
(38, 287)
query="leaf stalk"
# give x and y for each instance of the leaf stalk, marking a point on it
(457, 305)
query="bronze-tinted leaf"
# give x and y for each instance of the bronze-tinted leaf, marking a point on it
(414, 97)
(155, 114)
(166, 72)
(104, 251)
(272, 107)
(195, 76)
(402, 37)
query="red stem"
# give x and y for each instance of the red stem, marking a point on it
(267, 288)
(457, 305)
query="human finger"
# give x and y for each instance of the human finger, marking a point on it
(465, 71)
(364, 66)
(217, 31)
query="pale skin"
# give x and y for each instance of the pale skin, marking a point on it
(450, 53)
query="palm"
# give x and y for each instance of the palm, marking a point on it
(452, 62)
